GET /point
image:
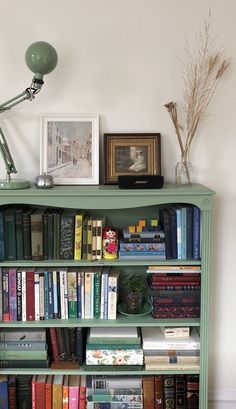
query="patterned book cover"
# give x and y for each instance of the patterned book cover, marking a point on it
(78, 236)
(67, 234)
(114, 357)
(12, 294)
(169, 391)
(72, 293)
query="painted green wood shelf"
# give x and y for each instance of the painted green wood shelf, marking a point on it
(122, 207)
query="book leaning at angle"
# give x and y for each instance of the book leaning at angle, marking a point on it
(153, 338)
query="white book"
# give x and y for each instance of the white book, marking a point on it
(82, 294)
(154, 339)
(112, 294)
(66, 295)
(175, 332)
(36, 296)
(92, 294)
(122, 332)
(55, 294)
(87, 292)
(172, 367)
(120, 381)
(62, 294)
(23, 281)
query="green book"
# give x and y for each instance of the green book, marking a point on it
(113, 346)
(9, 233)
(27, 355)
(97, 293)
(72, 293)
(99, 341)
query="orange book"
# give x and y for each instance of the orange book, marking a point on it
(33, 382)
(65, 393)
(148, 392)
(82, 392)
(49, 381)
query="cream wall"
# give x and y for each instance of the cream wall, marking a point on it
(117, 58)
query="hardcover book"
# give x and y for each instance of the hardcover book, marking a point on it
(67, 234)
(36, 220)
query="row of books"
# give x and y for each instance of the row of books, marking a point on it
(182, 226)
(33, 294)
(40, 233)
(175, 291)
(100, 392)
(162, 352)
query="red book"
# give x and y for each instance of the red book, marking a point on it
(82, 392)
(30, 299)
(40, 391)
(54, 345)
(12, 403)
(158, 392)
(33, 383)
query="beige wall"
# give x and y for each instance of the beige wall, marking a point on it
(117, 58)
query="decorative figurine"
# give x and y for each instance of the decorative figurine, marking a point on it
(110, 243)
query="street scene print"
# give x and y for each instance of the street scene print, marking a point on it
(69, 149)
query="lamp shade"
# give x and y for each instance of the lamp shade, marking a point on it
(41, 58)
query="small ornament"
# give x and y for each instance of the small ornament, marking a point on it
(110, 243)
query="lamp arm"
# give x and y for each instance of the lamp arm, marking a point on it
(6, 154)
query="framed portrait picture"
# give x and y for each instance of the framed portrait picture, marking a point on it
(69, 149)
(131, 154)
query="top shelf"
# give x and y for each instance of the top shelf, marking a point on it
(109, 197)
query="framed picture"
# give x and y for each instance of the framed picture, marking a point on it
(131, 154)
(70, 149)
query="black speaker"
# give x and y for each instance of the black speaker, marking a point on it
(140, 181)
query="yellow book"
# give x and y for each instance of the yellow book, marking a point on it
(78, 236)
(57, 392)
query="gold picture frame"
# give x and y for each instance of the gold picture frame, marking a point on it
(131, 154)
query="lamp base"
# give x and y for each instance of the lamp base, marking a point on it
(14, 184)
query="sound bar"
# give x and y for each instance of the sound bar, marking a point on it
(140, 181)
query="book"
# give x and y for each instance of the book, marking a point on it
(175, 332)
(67, 234)
(166, 222)
(141, 247)
(78, 236)
(72, 293)
(100, 225)
(74, 385)
(89, 238)
(114, 356)
(192, 391)
(113, 277)
(5, 295)
(176, 312)
(12, 392)
(113, 333)
(48, 392)
(172, 359)
(169, 391)
(154, 339)
(84, 238)
(196, 233)
(30, 297)
(19, 334)
(158, 392)
(26, 222)
(174, 269)
(40, 391)
(1, 296)
(180, 392)
(36, 220)
(12, 294)
(23, 363)
(3, 392)
(109, 382)
(172, 367)
(154, 235)
(23, 354)
(148, 392)
(19, 231)
(24, 392)
(65, 392)
(82, 392)
(9, 233)
(97, 293)
(23, 345)
(53, 343)
(57, 392)
(94, 238)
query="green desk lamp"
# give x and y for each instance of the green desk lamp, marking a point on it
(41, 58)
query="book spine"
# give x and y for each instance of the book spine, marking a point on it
(192, 391)
(10, 234)
(94, 239)
(78, 236)
(50, 235)
(45, 236)
(1, 296)
(180, 392)
(12, 294)
(41, 296)
(46, 297)
(55, 295)
(5, 293)
(48, 392)
(148, 392)
(106, 272)
(169, 391)
(67, 236)
(84, 238)
(79, 295)
(53, 342)
(12, 401)
(37, 236)
(50, 295)
(82, 295)
(27, 235)
(87, 292)
(196, 233)
(72, 294)
(158, 392)
(100, 223)
(30, 300)
(19, 234)
(92, 294)
(112, 295)
(97, 294)
(189, 232)
(2, 238)
(62, 294)
(89, 239)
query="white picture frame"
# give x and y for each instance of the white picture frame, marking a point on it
(69, 149)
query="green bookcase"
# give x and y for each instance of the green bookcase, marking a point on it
(123, 207)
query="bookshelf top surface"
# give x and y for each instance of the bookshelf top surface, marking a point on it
(105, 197)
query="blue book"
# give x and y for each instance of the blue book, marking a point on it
(173, 230)
(2, 239)
(3, 392)
(165, 220)
(196, 232)
(189, 232)
(184, 232)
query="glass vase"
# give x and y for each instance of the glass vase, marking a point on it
(183, 173)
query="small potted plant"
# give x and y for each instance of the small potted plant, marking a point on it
(133, 286)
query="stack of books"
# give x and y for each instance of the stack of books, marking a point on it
(114, 392)
(175, 291)
(114, 347)
(23, 348)
(144, 240)
(179, 351)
